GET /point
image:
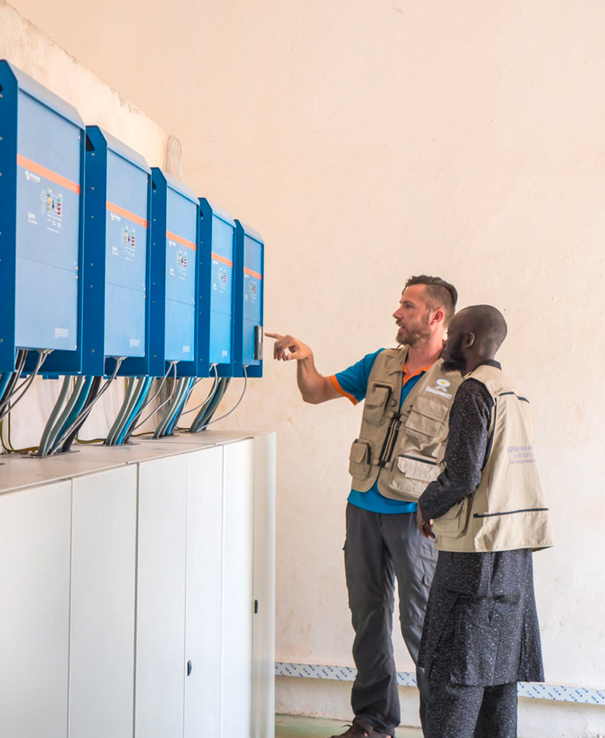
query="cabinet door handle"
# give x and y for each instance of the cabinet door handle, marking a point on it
(189, 668)
(255, 606)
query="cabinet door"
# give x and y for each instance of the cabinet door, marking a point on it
(203, 624)
(34, 618)
(238, 490)
(263, 637)
(160, 649)
(102, 604)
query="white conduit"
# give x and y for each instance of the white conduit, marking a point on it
(529, 690)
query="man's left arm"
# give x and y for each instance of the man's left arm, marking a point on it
(469, 422)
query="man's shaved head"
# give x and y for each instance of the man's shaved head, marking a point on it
(487, 324)
(475, 335)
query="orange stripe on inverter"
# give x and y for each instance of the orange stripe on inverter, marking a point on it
(182, 241)
(222, 259)
(47, 173)
(253, 274)
(126, 214)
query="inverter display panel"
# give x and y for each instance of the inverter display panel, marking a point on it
(126, 257)
(217, 291)
(250, 269)
(41, 161)
(181, 247)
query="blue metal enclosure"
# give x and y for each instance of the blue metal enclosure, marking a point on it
(175, 235)
(216, 291)
(116, 250)
(41, 172)
(249, 272)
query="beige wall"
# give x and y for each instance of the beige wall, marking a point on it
(369, 141)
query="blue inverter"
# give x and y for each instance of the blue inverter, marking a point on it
(117, 244)
(249, 272)
(41, 171)
(175, 234)
(216, 291)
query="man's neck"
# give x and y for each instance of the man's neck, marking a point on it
(424, 354)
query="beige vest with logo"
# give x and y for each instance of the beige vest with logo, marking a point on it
(508, 509)
(401, 448)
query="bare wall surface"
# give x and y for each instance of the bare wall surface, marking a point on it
(368, 141)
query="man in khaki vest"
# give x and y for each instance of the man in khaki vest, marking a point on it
(402, 437)
(488, 514)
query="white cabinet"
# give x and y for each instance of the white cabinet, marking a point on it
(160, 650)
(138, 598)
(103, 575)
(34, 616)
(263, 635)
(238, 499)
(203, 622)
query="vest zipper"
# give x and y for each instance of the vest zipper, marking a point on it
(511, 512)
(390, 440)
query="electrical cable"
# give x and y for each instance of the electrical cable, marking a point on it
(237, 404)
(87, 411)
(173, 406)
(56, 411)
(206, 414)
(94, 390)
(179, 412)
(145, 384)
(11, 401)
(60, 424)
(142, 422)
(208, 396)
(115, 429)
(74, 415)
(14, 376)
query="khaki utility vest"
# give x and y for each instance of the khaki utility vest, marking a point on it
(401, 447)
(508, 509)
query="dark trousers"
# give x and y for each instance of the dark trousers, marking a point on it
(379, 549)
(461, 711)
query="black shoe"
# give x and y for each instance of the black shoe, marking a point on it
(360, 728)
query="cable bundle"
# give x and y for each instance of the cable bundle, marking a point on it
(71, 410)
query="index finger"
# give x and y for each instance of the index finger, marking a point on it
(274, 335)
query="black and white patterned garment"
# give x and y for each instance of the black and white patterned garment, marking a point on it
(481, 632)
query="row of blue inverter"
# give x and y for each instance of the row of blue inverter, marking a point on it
(104, 261)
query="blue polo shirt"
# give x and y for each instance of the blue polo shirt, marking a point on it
(353, 383)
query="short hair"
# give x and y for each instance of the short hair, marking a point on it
(440, 294)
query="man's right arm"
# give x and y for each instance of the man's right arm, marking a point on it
(313, 386)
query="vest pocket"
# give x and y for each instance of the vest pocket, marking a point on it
(359, 460)
(454, 523)
(427, 418)
(411, 475)
(376, 403)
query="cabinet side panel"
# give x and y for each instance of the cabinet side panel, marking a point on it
(34, 637)
(160, 639)
(103, 604)
(203, 623)
(263, 638)
(238, 494)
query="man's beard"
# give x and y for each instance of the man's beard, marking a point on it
(415, 337)
(456, 361)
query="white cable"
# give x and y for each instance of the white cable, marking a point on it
(210, 394)
(236, 404)
(159, 407)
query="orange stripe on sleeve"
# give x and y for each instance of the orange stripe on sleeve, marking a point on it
(340, 390)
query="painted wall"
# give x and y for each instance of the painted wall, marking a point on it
(368, 141)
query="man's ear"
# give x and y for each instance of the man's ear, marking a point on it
(469, 340)
(438, 316)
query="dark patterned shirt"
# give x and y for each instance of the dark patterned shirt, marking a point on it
(481, 625)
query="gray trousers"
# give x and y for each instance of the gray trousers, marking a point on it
(462, 711)
(379, 549)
